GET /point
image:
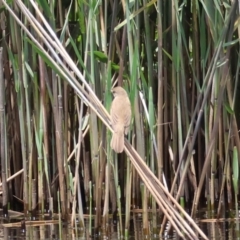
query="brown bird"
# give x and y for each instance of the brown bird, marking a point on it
(120, 118)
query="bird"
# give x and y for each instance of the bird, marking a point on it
(120, 112)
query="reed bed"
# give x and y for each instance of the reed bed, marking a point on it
(178, 61)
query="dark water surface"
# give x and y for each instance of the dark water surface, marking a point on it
(221, 229)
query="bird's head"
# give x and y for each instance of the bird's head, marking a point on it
(118, 91)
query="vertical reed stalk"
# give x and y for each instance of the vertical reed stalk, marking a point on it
(76, 188)
(128, 197)
(160, 104)
(19, 84)
(3, 137)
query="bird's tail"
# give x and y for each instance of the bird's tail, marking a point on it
(117, 142)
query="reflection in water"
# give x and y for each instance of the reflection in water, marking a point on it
(221, 229)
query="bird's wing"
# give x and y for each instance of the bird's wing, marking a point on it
(114, 118)
(120, 113)
(127, 117)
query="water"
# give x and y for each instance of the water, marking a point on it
(221, 229)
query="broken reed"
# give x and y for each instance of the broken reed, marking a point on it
(180, 67)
